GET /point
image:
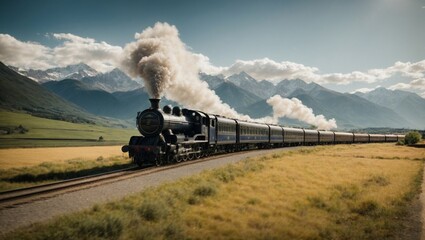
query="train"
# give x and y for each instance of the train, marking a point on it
(173, 134)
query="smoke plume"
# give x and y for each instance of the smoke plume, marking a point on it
(169, 69)
(294, 108)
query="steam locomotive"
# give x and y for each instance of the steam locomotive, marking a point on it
(175, 135)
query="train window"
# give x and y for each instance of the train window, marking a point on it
(213, 123)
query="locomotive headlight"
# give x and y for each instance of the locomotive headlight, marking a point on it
(150, 123)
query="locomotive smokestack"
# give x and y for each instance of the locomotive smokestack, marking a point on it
(154, 103)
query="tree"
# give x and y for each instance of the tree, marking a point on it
(412, 137)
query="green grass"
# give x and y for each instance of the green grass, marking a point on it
(46, 132)
(292, 195)
(50, 172)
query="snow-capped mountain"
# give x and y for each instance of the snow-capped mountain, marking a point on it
(113, 81)
(286, 88)
(77, 71)
(263, 89)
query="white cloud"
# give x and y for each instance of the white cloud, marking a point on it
(365, 90)
(24, 54)
(205, 65)
(99, 55)
(417, 85)
(74, 49)
(400, 86)
(267, 69)
(102, 56)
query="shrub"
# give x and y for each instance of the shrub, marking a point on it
(153, 210)
(412, 138)
(205, 190)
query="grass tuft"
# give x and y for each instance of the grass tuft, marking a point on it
(317, 202)
(205, 190)
(347, 191)
(377, 180)
(153, 210)
(366, 208)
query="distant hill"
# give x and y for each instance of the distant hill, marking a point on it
(92, 100)
(235, 96)
(213, 81)
(121, 105)
(349, 111)
(406, 104)
(20, 93)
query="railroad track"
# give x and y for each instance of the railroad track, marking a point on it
(22, 195)
(12, 198)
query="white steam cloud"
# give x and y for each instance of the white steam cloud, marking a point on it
(168, 68)
(295, 109)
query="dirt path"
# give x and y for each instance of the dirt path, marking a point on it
(24, 157)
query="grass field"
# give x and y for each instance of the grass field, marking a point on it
(332, 192)
(28, 157)
(51, 171)
(24, 167)
(52, 133)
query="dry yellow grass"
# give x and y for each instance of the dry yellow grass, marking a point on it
(316, 195)
(332, 192)
(376, 151)
(26, 157)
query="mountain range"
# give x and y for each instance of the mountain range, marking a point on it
(116, 95)
(409, 105)
(77, 71)
(349, 110)
(113, 81)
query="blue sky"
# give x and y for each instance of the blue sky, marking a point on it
(334, 36)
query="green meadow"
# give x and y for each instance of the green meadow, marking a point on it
(24, 130)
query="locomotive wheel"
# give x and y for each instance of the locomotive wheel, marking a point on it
(158, 161)
(190, 156)
(178, 159)
(169, 159)
(197, 155)
(137, 160)
(185, 157)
